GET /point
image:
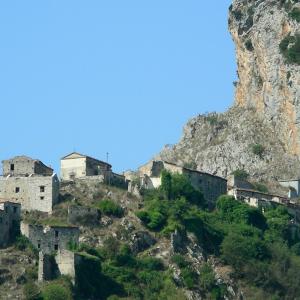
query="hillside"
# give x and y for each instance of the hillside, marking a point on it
(165, 245)
(265, 113)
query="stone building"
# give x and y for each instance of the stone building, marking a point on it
(10, 214)
(29, 182)
(24, 166)
(293, 186)
(76, 165)
(211, 186)
(265, 200)
(79, 166)
(49, 239)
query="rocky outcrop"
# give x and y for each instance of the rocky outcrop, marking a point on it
(261, 132)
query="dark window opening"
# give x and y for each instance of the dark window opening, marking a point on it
(1, 220)
(42, 189)
(42, 198)
(39, 246)
(12, 167)
(15, 209)
(55, 247)
(56, 233)
(6, 209)
(17, 189)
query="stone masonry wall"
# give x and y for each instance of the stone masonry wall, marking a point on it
(33, 193)
(50, 239)
(22, 165)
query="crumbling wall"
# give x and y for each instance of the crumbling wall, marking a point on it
(50, 239)
(83, 214)
(24, 166)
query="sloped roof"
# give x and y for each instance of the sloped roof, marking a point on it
(24, 157)
(75, 155)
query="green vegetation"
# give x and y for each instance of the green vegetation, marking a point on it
(260, 187)
(240, 174)
(263, 250)
(258, 150)
(110, 208)
(237, 14)
(57, 290)
(290, 48)
(248, 45)
(113, 272)
(31, 291)
(22, 243)
(295, 14)
(167, 207)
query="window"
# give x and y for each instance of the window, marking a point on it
(56, 247)
(39, 246)
(56, 233)
(6, 209)
(1, 220)
(15, 210)
(17, 189)
(42, 189)
(42, 198)
(12, 167)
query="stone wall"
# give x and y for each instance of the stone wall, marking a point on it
(211, 186)
(294, 187)
(83, 214)
(76, 165)
(50, 238)
(33, 192)
(10, 214)
(66, 262)
(24, 166)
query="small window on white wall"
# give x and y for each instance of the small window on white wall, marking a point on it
(17, 189)
(42, 189)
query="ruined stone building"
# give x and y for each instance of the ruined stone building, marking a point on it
(293, 186)
(79, 166)
(210, 185)
(49, 239)
(242, 191)
(29, 182)
(10, 214)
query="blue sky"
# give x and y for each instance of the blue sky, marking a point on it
(109, 76)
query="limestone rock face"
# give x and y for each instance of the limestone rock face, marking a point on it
(266, 82)
(266, 110)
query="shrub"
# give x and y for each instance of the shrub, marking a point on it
(189, 277)
(56, 291)
(240, 174)
(89, 277)
(212, 119)
(31, 291)
(179, 260)
(207, 277)
(258, 149)
(290, 48)
(296, 249)
(295, 14)
(237, 14)
(153, 219)
(237, 250)
(248, 45)
(260, 187)
(110, 208)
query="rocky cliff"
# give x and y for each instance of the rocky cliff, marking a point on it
(261, 132)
